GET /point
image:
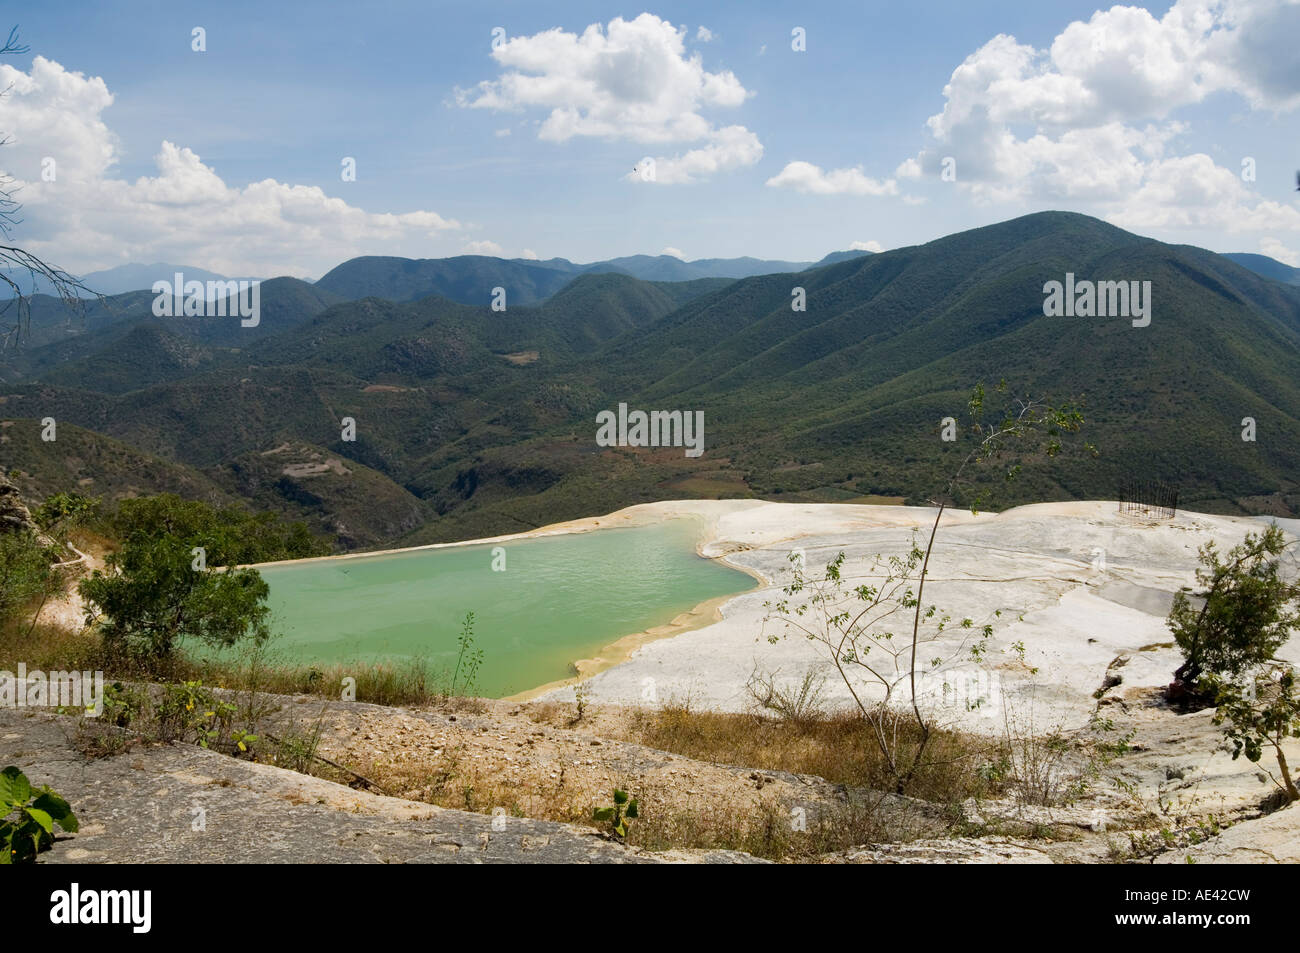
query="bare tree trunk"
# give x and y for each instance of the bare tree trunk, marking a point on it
(916, 635)
(1287, 783)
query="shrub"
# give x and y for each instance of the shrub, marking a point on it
(1245, 613)
(38, 813)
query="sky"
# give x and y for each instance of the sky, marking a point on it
(592, 130)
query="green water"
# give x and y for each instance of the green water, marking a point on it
(560, 598)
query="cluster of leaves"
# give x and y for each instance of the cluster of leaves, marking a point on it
(188, 712)
(619, 813)
(28, 818)
(62, 512)
(1025, 427)
(1261, 714)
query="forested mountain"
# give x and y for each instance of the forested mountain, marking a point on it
(470, 421)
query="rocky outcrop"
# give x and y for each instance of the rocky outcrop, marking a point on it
(14, 515)
(1273, 839)
(183, 804)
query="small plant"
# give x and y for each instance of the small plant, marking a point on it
(1263, 714)
(801, 703)
(38, 812)
(242, 740)
(295, 749)
(123, 706)
(580, 695)
(191, 711)
(468, 659)
(619, 814)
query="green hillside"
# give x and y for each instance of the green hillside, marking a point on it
(479, 422)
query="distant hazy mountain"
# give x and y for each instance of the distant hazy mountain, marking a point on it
(469, 279)
(1268, 267)
(116, 344)
(123, 278)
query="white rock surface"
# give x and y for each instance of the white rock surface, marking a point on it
(1040, 566)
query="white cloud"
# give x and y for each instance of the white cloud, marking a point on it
(90, 218)
(806, 177)
(483, 248)
(674, 252)
(631, 80)
(1089, 118)
(530, 255)
(500, 133)
(1193, 192)
(1273, 248)
(704, 34)
(731, 148)
(871, 246)
(908, 169)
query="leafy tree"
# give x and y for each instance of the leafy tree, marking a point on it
(1263, 712)
(229, 536)
(63, 512)
(25, 573)
(1245, 612)
(155, 595)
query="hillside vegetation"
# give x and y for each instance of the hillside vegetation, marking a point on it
(470, 421)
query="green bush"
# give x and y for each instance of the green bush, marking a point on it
(31, 831)
(153, 598)
(25, 573)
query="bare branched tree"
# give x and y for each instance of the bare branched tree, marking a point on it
(854, 624)
(15, 312)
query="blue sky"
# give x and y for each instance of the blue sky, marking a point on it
(1142, 116)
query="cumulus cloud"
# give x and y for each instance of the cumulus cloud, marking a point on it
(704, 34)
(89, 217)
(1090, 117)
(674, 252)
(631, 80)
(1193, 192)
(731, 148)
(871, 246)
(530, 255)
(806, 177)
(483, 248)
(1274, 248)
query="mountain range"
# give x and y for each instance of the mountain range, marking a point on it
(466, 278)
(470, 421)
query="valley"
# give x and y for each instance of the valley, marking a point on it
(465, 438)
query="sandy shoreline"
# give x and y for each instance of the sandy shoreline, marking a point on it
(619, 518)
